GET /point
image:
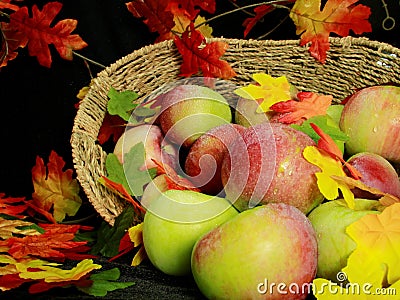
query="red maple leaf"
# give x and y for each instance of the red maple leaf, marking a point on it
(12, 206)
(337, 16)
(198, 54)
(13, 40)
(40, 35)
(154, 14)
(43, 286)
(113, 125)
(188, 7)
(11, 281)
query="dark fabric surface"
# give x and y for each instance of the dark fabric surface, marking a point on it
(37, 112)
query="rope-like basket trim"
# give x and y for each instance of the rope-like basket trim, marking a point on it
(352, 63)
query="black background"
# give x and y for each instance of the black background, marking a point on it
(37, 103)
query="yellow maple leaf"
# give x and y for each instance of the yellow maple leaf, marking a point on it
(51, 273)
(10, 227)
(378, 242)
(136, 236)
(267, 92)
(329, 166)
(372, 271)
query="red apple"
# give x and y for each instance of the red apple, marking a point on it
(371, 119)
(203, 162)
(156, 147)
(376, 172)
(188, 111)
(267, 252)
(268, 166)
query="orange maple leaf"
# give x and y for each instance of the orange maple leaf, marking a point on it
(55, 189)
(337, 16)
(309, 105)
(198, 54)
(46, 245)
(40, 35)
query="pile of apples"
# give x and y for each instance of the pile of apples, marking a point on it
(249, 220)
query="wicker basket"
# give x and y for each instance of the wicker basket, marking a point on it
(352, 63)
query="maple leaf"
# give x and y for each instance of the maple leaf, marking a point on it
(337, 16)
(329, 167)
(309, 104)
(112, 126)
(327, 144)
(385, 200)
(44, 245)
(49, 273)
(378, 244)
(123, 193)
(267, 91)
(13, 40)
(136, 237)
(40, 35)
(188, 7)
(198, 54)
(154, 14)
(104, 282)
(12, 206)
(108, 237)
(55, 189)
(5, 4)
(121, 103)
(8, 228)
(182, 21)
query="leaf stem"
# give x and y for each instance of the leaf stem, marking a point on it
(273, 29)
(89, 60)
(274, 3)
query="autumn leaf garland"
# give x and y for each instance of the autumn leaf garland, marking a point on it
(180, 20)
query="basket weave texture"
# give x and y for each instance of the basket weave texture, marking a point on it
(352, 63)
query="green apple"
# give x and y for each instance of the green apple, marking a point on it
(329, 221)
(175, 221)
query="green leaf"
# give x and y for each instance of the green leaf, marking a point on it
(328, 125)
(121, 103)
(135, 176)
(109, 237)
(33, 226)
(115, 171)
(104, 282)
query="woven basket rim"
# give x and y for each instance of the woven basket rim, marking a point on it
(80, 132)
